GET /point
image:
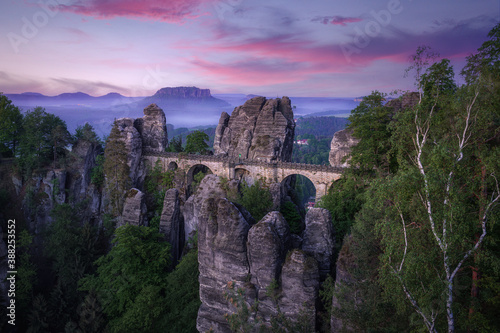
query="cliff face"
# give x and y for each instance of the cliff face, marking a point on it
(340, 147)
(234, 253)
(153, 128)
(260, 129)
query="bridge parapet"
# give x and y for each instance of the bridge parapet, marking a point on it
(242, 162)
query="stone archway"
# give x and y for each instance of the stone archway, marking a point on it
(302, 184)
(172, 166)
(192, 177)
(242, 174)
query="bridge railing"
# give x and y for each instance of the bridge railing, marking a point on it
(243, 161)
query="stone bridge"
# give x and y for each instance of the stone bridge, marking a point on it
(322, 176)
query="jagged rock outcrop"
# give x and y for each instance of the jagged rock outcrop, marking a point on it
(268, 243)
(257, 258)
(210, 187)
(133, 145)
(134, 208)
(345, 263)
(171, 222)
(222, 257)
(84, 155)
(300, 285)
(340, 147)
(43, 192)
(408, 100)
(260, 129)
(318, 239)
(153, 128)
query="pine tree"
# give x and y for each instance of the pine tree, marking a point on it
(116, 169)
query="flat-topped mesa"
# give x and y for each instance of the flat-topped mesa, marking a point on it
(260, 129)
(153, 128)
(183, 92)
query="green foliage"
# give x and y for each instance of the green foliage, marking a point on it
(315, 152)
(156, 184)
(344, 200)
(196, 143)
(318, 127)
(26, 271)
(129, 275)
(245, 319)
(175, 145)
(97, 173)
(369, 122)
(256, 199)
(87, 133)
(38, 318)
(292, 217)
(182, 299)
(11, 126)
(116, 169)
(44, 138)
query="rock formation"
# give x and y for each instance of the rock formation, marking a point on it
(171, 222)
(133, 145)
(222, 257)
(257, 258)
(408, 100)
(268, 243)
(134, 208)
(300, 285)
(345, 262)
(260, 129)
(153, 128)
(340, 147)
(84, 154)
(210, 187)
(318, 239)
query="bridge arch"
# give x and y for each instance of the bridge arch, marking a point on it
(172, 166)
(303, 186)
(242, 174)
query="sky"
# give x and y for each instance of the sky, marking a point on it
(314, 48)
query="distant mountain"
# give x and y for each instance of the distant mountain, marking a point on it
(182, 98)
(31, 99)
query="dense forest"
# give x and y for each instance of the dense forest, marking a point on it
(416, 217)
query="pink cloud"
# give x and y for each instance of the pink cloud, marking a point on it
(336, 20)
(172, 11)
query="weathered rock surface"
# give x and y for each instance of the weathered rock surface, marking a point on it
(340, 147)
(300, 285)
(255, 257)
(210, 187)
(260, 129)
(171, 222)
(134, 208)
(222, 257)
(345, 262)
(133, 145)
(268, 243)
(80, 168)
(153, 128)
(408, 100)
(43, 192)
(318, 239)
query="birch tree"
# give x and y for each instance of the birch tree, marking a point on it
(430, 231)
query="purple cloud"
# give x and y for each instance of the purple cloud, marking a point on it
(336, 20)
